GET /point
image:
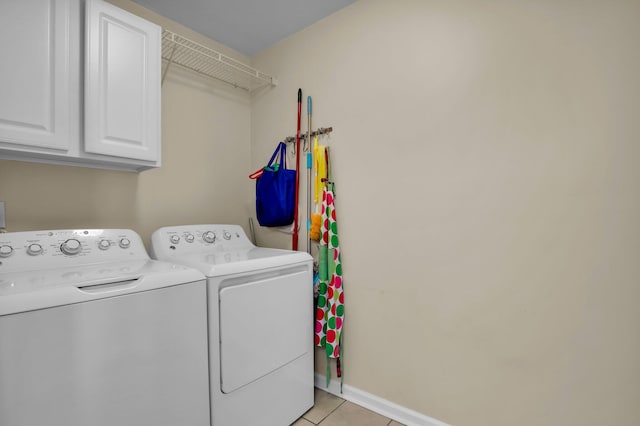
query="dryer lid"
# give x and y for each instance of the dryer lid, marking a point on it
(217, 250)
(216, 263)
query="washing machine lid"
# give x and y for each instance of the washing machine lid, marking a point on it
(219, 262)
(24, 291)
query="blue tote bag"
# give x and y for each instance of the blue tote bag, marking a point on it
(275, 191)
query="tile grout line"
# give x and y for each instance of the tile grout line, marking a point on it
(332, 411)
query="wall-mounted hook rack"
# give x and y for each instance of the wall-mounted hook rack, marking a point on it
(303, 136)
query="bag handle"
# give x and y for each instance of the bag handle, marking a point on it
(282, 150)
(283, 155)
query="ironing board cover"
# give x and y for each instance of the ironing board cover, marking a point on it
(330, 310)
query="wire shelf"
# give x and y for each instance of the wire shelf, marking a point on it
(177, 49)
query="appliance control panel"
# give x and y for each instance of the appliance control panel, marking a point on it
(61, 248)
(198, 238)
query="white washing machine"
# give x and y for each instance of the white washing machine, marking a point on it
(94, 332)
(260, 322)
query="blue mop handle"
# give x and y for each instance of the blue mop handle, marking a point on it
(309, 156)
(309, 165)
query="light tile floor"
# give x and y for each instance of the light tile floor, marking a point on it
(329, 410)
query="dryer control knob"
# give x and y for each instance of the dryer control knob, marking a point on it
(175, 239)
(6, 251)
(71, 247)
(124, 243)
(34, 249)
(104, 245)
(189, 238)
(227, 235)
(209, 237)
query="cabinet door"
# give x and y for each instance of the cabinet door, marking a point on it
(122, 83)
(37, 81)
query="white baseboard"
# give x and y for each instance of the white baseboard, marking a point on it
(376, 404)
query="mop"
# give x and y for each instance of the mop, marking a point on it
(294, 241)
(309, 167)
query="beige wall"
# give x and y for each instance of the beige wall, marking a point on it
(203, 178)
(486, 159)
(485, 155)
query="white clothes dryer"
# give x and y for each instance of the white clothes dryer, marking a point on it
(260, 322)
(94, 332)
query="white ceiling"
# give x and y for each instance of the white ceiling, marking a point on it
(247, 26)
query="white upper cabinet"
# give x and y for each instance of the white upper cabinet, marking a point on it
(122, 83)
(36, 79)
(50, 50)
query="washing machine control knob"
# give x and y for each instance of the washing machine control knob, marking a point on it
(124, 243)
(104, 245)
(227, 235)
(71, 247)
(189, 238)
(209, 237)
(175, 239)
(6, 251)
(34, 249)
